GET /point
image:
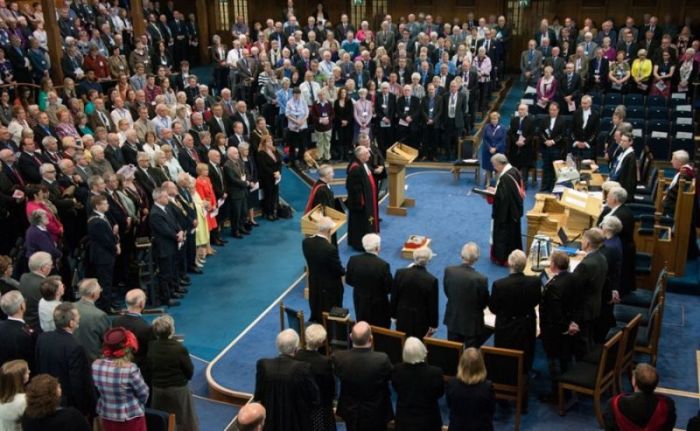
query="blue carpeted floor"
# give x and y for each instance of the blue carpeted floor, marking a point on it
(247, 276)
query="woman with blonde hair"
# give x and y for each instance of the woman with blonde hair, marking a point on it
(13, 376)
(201, 233)
(470, 396)
(205, 190)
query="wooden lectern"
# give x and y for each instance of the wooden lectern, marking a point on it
(398, 156)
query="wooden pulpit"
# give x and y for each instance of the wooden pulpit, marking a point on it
(399, 156)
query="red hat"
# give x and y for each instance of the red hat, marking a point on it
(117, 342)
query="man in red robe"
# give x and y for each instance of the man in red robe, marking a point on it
(362, 199)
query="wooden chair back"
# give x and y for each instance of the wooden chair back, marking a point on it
(294, 320)
(626, 356)
(388, 341)
(505, 368)
(444, 354)
(338, 333)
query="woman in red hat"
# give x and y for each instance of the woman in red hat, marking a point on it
(123, 391)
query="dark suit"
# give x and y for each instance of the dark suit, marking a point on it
(513, 301)
(325, 276)
(287, 390)
(629, 249)
(388, 110)
(414, 301)
(164, 229)
(453, 127)
(144, 334)
(237, 190)
(247, 129)
(590, 275)
(18, 339)
(215, 128)
(467, 293)
(370, 277)
(103, 254)
(418, 388)
(559, 307)
(555, 152)
(29, 286)
(59, 354)
(587, 133)
(28, 166)
(569, 85)
(322, 371)
(471, 406)
(522, 157)
(407, 107)
(364, 402)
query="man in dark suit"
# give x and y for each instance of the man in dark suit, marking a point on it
(18, 338)
(59, 354)
(590, 276)
(370, 277)
(364, 402)
(521, 134)
(615, 206)
(218, 123)
(29, 162)
(144, 175)
(408, 116)
(624, 168)
(236, 188)
(586, 124)
(134, 322)
(385, 108)
(286, 387)
(558, 307)
(644, 409)
(168, 236)
(598, 68)
(467, 293)
(414, 297)
(552, 144)
(188, 157)
(216, 176)
(104, 247)
(245, 118)
(513, 301)
(569, 86)
(325, 271)
(452, 121)
(40, 266)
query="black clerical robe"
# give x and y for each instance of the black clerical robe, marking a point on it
(507, 212)
(362, 204)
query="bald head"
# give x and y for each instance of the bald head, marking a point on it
(251, 417)
(361, 335)
(135, 300)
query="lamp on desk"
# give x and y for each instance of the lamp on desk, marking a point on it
(540, 250)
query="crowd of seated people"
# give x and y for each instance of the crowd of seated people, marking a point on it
(134, 149)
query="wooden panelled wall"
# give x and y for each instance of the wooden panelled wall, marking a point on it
(598, 10)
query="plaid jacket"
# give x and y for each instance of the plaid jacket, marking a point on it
(123, 391)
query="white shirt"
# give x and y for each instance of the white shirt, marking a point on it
(46, 314)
